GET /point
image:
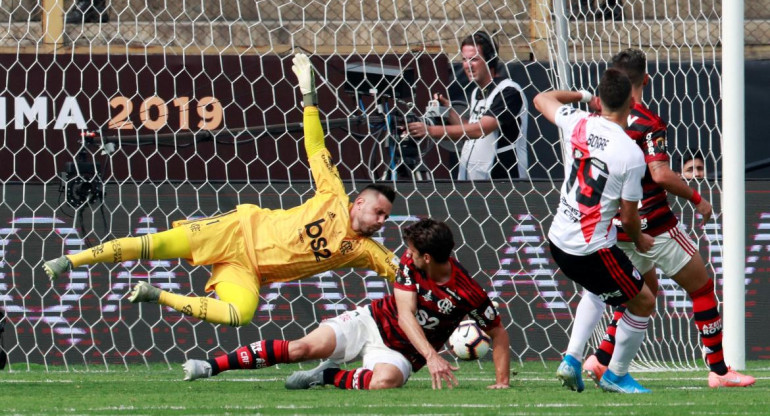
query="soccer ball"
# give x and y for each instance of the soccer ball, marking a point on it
(469, 342)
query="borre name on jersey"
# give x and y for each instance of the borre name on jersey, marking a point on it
(603, 166)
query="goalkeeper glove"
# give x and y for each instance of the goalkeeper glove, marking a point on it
(303, 69)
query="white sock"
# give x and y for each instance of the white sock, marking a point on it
(587, 315)
(628, 339)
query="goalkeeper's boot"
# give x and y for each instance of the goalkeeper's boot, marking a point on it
(594, 369)
(310, 378)
(620, 384)
(569, 374)
(56, 267)
(195, 369)
(730, 379)
(144, 292)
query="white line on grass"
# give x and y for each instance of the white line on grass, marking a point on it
(35, 381)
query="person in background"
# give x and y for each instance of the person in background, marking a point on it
(495, 132)
(693, 165)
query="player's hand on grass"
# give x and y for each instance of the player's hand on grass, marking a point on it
(645, 243)
(704, 208)
(303, 69)
(441, 371)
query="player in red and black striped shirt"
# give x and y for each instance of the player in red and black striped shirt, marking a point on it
(673, 252)
(394, 336)
(649, 132)
(432, 294)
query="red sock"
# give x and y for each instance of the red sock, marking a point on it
(607, 347)
(357, 379)
(256, 355)
(709, 324)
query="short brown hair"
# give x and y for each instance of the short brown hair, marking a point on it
(385, 190)
(633, 62)
(431, 237)
(614, 89)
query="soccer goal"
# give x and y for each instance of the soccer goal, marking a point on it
(140, 113)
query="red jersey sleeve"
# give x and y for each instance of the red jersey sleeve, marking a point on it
(405, 278)
(654, 146)
(485, 315)
(649, 132)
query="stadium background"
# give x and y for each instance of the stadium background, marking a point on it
(165, 173)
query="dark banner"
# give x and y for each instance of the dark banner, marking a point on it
(201, 118)
(500, 239)
(235, 117)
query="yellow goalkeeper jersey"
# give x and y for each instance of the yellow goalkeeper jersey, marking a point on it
(314, 237)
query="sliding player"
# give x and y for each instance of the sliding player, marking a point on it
(395, 336)
(251, 246)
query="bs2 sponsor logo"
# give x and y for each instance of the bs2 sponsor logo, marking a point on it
(314, 230)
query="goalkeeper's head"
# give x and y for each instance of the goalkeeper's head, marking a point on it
(371, 209)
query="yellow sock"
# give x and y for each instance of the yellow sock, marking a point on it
(204, 308)
(236, 307)
(164, 245)
(115, 251)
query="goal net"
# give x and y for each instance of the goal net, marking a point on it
(140, 113)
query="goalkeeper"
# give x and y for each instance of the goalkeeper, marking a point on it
(251, 246)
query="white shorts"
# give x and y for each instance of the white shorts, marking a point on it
(358, 338)
(671, 251)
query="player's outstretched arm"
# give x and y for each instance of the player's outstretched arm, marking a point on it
(314, 135)
(501, 355)
(440, 370)
(303, 69)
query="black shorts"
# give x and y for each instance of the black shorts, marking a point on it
(607, 273)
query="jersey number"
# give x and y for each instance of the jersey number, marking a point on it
(425, 321)
(589, 190)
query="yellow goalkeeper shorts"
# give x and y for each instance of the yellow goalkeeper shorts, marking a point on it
(219, 241)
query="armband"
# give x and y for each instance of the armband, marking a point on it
(695, 198)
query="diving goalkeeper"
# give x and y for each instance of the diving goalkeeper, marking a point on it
(251, 246)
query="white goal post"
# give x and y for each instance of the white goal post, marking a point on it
(143, 112)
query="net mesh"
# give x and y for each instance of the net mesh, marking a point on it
(140, 113)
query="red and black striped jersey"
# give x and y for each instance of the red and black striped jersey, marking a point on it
(649, 132)
(440, 308)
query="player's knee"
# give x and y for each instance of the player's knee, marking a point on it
(384, 383)
(647, 309)
(386, 376)
(244, 315)
(299, 350)
(643, 304)
(651, 280)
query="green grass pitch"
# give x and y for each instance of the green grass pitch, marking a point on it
(534, 391)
